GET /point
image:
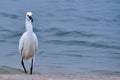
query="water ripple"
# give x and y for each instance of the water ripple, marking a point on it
(71, 55)
(52, 30)
(13, 16)
(9, 70)
(82, 43)
(8, 35)
(73, 33)
(90, 18)
(61, 33)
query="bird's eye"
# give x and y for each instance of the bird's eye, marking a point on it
(27, 15)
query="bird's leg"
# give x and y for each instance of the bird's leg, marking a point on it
(23, 65)
(31, 66)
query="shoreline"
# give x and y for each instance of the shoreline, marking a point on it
(55, 77)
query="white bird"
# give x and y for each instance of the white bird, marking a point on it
(28, 43)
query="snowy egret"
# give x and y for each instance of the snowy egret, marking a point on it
(28, 43)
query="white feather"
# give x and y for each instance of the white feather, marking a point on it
(28, 43)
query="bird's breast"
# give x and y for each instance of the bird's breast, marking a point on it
(29, 49)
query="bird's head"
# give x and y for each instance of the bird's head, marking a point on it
(29, 16)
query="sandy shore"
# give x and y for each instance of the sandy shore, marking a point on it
(56, 77)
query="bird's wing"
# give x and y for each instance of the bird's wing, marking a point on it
(36, 41)
(21, 42)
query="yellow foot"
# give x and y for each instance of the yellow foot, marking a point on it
(27, 73)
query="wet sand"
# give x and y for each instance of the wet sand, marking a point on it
(55, 77)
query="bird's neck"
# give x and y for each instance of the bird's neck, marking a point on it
(29, 27)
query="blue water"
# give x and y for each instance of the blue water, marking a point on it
(75, 36)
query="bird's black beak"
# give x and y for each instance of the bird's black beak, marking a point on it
(31, 18)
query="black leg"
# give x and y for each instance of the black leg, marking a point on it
(23, 65)
(31, 67)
